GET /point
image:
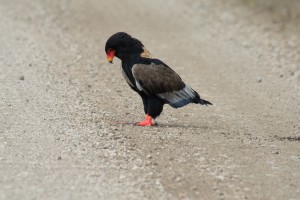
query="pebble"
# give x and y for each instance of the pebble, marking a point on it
(259, 79)
(178, 179)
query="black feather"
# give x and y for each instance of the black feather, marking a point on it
(152, 79)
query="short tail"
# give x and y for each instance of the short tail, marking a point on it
(204, 102)
(198, 100)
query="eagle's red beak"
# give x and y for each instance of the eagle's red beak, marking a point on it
(110, 55)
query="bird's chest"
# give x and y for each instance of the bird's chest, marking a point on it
(127, 74)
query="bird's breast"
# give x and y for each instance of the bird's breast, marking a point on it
(126, 74)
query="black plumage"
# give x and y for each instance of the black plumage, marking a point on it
(153, 80)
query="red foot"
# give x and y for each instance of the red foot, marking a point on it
(147, 121)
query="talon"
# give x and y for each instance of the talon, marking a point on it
(147, 121)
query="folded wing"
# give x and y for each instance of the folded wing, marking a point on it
(157, 79)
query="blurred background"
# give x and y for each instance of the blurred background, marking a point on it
(63, 107)
(281, 11)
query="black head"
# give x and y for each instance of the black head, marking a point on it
(122, 45)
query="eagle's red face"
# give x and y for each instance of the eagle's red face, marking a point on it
(110, 55)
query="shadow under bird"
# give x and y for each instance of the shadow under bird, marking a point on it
(153, 80)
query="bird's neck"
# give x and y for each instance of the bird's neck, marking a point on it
(146, 53)
(131, 59)
(137, 57)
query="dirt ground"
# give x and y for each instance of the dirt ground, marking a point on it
(63, 106)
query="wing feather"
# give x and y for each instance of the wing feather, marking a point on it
(157, 78)
(160, 80)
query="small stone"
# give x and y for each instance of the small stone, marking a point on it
(117, 137)
(177, 179)
(246, 45)
(22, 78)
(259, 79)
(292, 73)
(59, 158)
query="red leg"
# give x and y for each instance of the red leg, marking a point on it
(147, 121)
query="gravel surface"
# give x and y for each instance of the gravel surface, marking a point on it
(64, 108)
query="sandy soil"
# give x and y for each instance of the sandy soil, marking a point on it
(62, 105)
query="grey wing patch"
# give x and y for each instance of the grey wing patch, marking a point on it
(180, 98)
(138, 86)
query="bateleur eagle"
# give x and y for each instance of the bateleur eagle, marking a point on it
(153, 80)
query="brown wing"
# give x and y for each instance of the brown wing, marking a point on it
(155, 79)
(163, 82)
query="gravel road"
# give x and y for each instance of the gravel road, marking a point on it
(63, 107)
